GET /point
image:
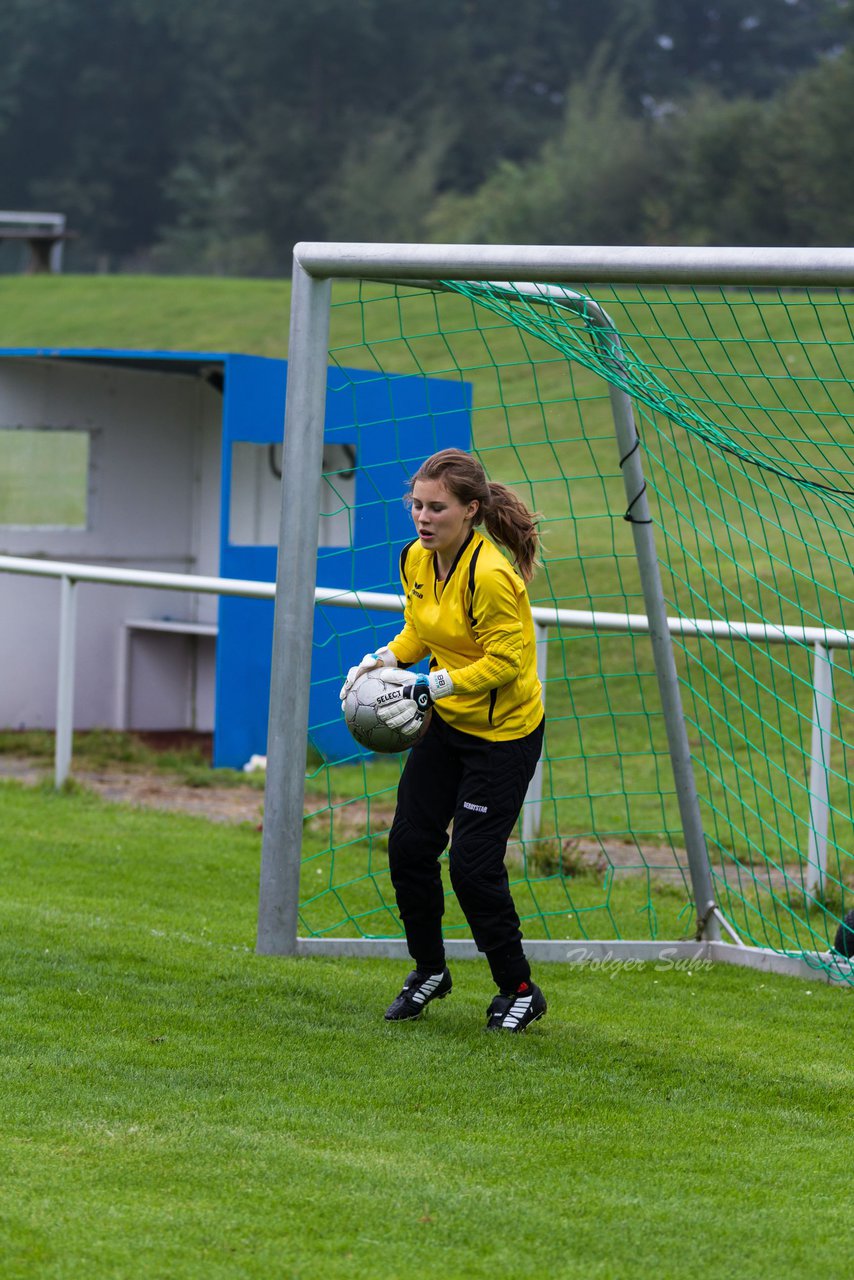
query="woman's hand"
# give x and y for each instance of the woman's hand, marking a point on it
(417, 693)
(408, 701)
(370, 662)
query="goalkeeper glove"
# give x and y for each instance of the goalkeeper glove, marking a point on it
(370, 662)
(418, 693)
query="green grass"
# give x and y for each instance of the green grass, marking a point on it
(769, 376)
(44, 479)
(734, 547)
(174, 1105)
(145, 313)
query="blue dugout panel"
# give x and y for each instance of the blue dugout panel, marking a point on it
(389, 424)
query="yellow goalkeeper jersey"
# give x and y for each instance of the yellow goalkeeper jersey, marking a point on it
(477, 624)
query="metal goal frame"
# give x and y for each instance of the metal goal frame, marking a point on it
(536, 270)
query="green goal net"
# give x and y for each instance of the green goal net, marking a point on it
(743, 405)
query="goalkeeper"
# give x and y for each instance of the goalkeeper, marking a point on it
(467, 608)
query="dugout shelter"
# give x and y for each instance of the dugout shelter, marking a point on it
(172, 461)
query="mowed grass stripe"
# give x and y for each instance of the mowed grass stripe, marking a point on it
(174, 1105)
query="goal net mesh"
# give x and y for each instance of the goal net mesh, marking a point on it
(743, 403)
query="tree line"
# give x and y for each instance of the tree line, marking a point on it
(209, 138)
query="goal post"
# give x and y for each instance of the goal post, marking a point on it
(302, 461)
(634, 323)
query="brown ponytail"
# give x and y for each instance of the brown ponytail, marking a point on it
(509, 522)
(506, 518)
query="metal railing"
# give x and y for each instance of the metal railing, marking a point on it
(821, 640)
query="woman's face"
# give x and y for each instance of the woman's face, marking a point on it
(441, 521)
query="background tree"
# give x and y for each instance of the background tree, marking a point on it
(718, 181)
(87, 88)
(813, 145)
(587, 185)
(211, 138)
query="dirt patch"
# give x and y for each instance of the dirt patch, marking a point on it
(151, 790)
(350, 819)
(236, 802)
(218, 804)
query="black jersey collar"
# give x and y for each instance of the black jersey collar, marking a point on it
(457, 558)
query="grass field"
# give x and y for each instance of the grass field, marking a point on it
(732, 549)
(175, 1106)
(172, 1105)
(145, 312)
(725, 385)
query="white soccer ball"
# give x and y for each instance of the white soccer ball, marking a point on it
(360, 716)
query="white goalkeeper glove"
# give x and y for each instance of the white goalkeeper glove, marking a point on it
(370, 662)
(417, 694)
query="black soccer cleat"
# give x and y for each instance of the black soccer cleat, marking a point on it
(844, 940)
(419, 989)
(516, 1012)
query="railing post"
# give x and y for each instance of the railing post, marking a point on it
(822, 711)
(65, 679)
(532, 810)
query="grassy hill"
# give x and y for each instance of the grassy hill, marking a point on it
(165, 313)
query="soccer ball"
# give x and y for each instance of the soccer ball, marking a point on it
(360, 716)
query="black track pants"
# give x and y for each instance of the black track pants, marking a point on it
(481, 785)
